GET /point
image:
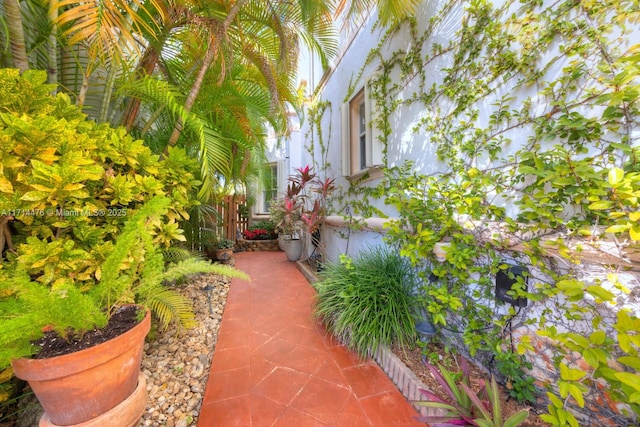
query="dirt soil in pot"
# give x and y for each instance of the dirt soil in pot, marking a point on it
(52, 344)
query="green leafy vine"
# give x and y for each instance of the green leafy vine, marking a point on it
(533, 123)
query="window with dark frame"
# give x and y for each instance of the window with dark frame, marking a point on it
(361, 150)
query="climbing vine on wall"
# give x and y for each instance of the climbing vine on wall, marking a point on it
(537, 108)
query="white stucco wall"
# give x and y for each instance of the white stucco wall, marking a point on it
(351, 71)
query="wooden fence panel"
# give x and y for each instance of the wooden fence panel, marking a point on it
(233, 219)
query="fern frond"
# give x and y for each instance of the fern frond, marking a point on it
(175, 254)
(192, 266)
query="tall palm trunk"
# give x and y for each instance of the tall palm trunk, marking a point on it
(214, 46)
(195, 88)
(145, 68)
(114, 66)
(16, 34)
(52, 47)
(84, 88)
(108, 90)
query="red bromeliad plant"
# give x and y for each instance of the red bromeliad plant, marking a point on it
(303, 176)
(325, 188)
(314, 217)
(290, 210)
(299, 208)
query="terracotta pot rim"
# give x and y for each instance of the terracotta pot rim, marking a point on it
(59, 366)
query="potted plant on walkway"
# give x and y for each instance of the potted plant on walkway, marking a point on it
(277, 215)
(224, 250)
(291, 211)
(300, 213)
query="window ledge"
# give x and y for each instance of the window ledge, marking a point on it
(365, 175)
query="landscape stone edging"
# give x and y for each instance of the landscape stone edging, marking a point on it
(258, 245)
(402, 377)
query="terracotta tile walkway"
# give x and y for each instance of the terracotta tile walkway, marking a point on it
(274, 366)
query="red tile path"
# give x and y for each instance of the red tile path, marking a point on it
(274, 365)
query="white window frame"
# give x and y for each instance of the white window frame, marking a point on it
(352, 133)
(261, 206)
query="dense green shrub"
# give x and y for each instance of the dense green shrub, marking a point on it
(88, 210)
(367, 301)
(70, 184)
(266, 224)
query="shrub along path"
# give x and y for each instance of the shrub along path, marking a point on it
(274, 366)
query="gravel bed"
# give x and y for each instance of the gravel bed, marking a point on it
(176, 362)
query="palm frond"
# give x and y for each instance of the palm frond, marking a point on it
(389, 11)
(107, 27)
(170, 306)
(214, 148)
(175, 254)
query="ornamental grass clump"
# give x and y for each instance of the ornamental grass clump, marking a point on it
(367, 301)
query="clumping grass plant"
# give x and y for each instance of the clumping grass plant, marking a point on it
(367, 301)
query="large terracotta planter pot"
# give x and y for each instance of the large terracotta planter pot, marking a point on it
(126, 414)
(78, 387)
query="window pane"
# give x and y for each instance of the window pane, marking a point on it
(271, 188)
(362, 140)
(357, 134)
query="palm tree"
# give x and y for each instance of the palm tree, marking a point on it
(389, 11)
(246, 80)
(227, 126)
(265, 34)
(13, 16)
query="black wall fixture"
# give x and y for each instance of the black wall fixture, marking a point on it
(505, 279)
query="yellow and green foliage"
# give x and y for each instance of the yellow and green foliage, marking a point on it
(89, 211)
(71, 184)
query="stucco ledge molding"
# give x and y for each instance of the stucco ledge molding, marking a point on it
(370, 224)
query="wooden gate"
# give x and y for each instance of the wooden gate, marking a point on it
(233, 214)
